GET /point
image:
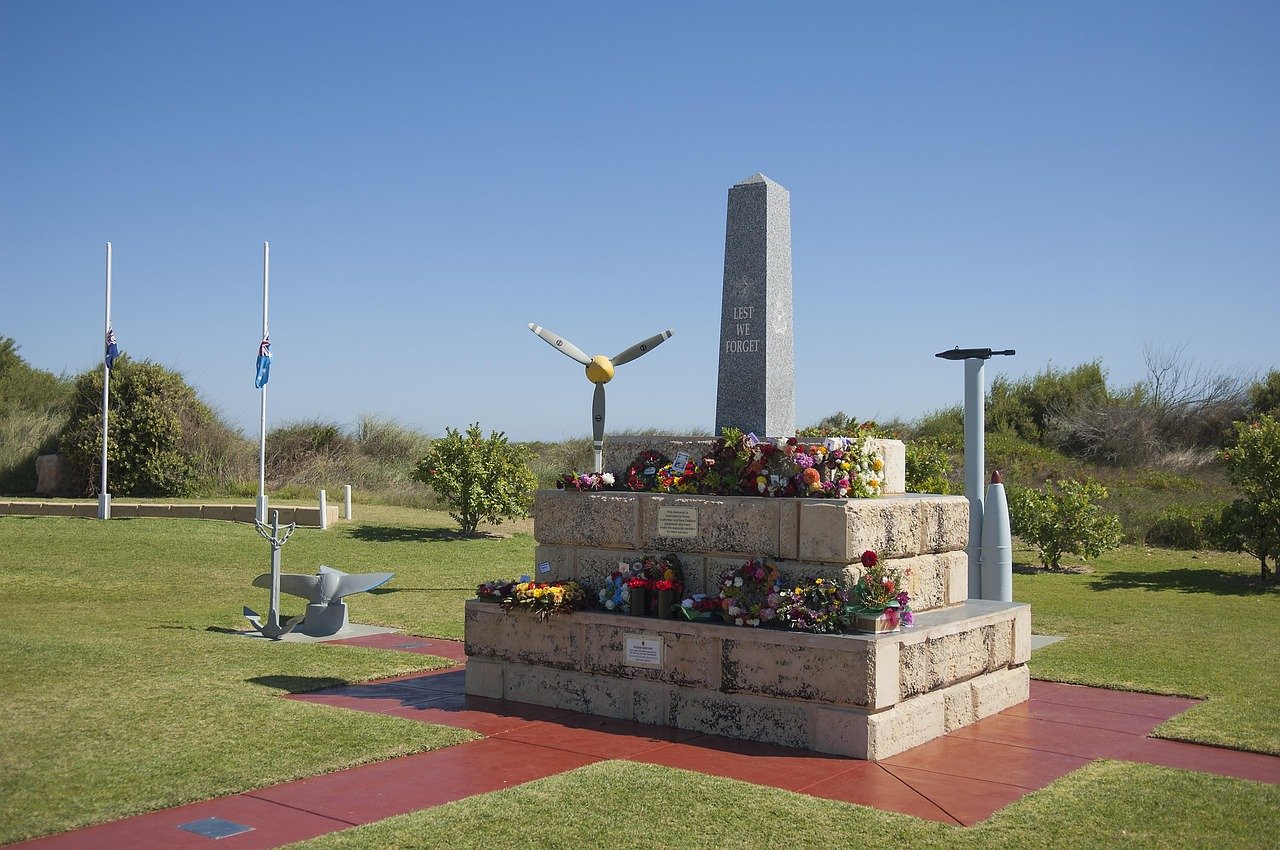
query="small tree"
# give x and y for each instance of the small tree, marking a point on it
(1253, 465)
(479, 478)
(1264, 395)
(1243, 528)
(1064, 518)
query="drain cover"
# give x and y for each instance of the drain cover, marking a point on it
(215, 827)
(408, 645)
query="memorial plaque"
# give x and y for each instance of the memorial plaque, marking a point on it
(678, 521)
(642, 651)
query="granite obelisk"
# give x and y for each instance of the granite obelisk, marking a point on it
(756, 387)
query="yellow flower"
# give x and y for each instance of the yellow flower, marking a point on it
(878, 464)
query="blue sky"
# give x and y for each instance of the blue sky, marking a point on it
(1073, 180)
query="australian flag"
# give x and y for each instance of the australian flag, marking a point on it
(113, 350)
(264, 363)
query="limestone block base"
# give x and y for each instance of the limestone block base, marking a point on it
(866, 696)
(583, 536)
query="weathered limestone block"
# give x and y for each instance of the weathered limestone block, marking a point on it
(484, 678)
(944, 523)
(999, 690)
(906, 725)
(725, 524)
(741, 716)
(894, 455)
(561, 559)
(565, 689)
(686, 659)
(520, 637)
(568, 518)
(800, 669)
(840, 530)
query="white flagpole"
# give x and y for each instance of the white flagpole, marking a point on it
(262, 433)
(104, 497)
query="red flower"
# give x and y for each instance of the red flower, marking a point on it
(870, 559)
(638, 583)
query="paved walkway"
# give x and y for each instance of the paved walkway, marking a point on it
(962, 778)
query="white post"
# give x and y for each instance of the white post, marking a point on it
(974, 461)
(346, 501)
(324, 511)
(104, 497)
(262, 431)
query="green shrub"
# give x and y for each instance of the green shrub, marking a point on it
(1064, 518)
(479, 478)
(928, 467)
(1180, 527)
(1024, 407)
(945, 426)
(145, 452)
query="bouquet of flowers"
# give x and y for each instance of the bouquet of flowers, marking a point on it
(814, 605)
(586, 482)
(883, 589)
(559, 597)
(648, 573)
(699, 606)
(749, 595)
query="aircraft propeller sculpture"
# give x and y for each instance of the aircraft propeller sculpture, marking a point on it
(599, 372)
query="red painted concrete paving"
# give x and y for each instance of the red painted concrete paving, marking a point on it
(962, 778)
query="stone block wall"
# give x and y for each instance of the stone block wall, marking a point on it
(583, 536)
(860, 695)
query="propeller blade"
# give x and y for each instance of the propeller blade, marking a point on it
(597, 426)
(560, 343)
(597, 414)
(641, 347)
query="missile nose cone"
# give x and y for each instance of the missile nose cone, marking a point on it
(996, 477)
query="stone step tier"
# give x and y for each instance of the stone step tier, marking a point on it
(584, 536)
(865, 696)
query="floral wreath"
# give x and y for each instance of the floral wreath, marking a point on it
(642, 474)
(749, 595)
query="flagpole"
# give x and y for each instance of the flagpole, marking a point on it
(262, 431)
(104, 497)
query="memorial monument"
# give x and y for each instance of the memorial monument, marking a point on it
(868, 696)
(756, 386)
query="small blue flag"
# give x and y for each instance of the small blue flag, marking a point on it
(113, 350)
(264, 363)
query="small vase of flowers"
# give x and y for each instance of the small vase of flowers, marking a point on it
(883, 604)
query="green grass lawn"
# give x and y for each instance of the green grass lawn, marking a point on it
(123, 692)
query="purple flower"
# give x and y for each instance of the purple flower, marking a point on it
(803, 461)
(904, 598)
(908, 619)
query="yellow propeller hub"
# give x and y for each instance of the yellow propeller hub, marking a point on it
(599, 370)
